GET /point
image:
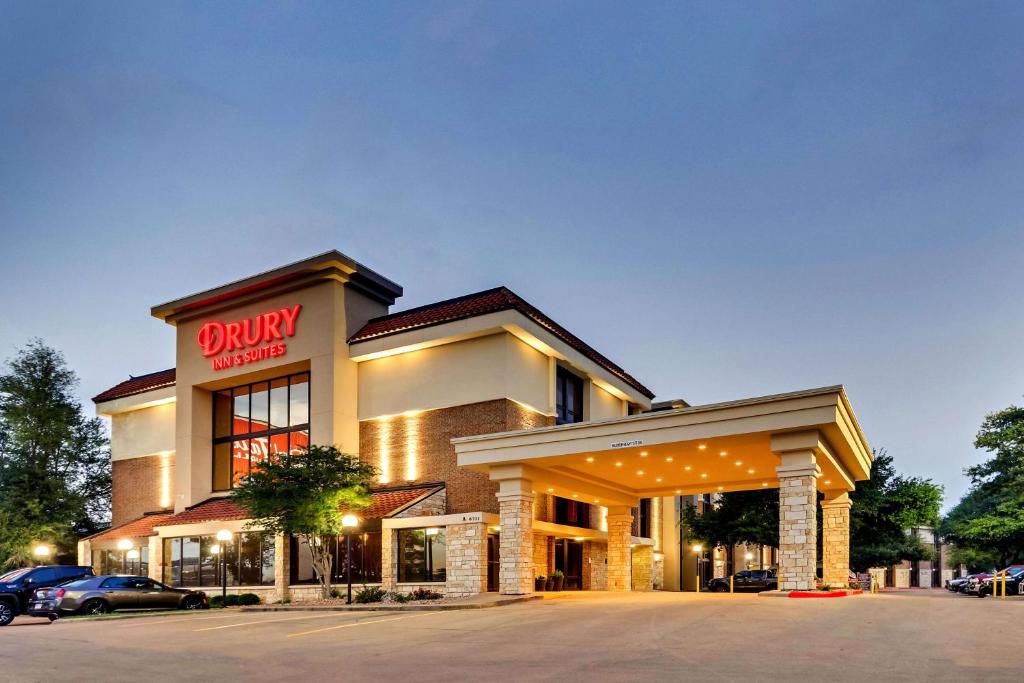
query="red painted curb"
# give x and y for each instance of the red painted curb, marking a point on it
(822, 594)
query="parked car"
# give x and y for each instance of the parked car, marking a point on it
(954, 585)
(103, 594)
(17, 586)
(747, 581)
(974, 582)
(1014, 579)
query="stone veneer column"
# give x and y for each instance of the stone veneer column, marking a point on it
(798, 531)
(85, 553)
(156, 558)
(282, 566)
(515, 505)
(835, 538)
(643, 568)
(466, 558)
(388, 558)
(620, 525)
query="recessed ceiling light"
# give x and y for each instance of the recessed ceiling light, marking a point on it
(597, 500)
(701, 447)
(668, 459)
(678, 491)
(640, 472)
(723, 453)
(764, 483)
(828, 481)
(687, 468)
(590, 458)
(721, 488)
(658, 479)
(704, 475)
(643, 454)
(750, 471)
(550, 490)
(618, 464)
(738, 463)
(575, 495)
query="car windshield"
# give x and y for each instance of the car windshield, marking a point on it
(16, 574)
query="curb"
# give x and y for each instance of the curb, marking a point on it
(376, 607)
(810, 594)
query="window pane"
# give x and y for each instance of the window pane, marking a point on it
(222, 414)
(251, 559)
(279, 403)
(190, 561)
(241, 420)
(302, 562)
(209, 564)
(298, 403)
(259, 449)
(299, 441)
(267, 542)
(172, 561)
(436, 559)
(222, 467)
(278, 446)
(239, 460)
(260, 402)
(412, 561)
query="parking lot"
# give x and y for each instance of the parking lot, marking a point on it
(910, 635)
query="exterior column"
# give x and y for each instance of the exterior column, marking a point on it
(466, 546)
(835, 538)
(643, 568)
(282, 566)
(156, 558)
(515, 505)
(85, 553)
(388, 558)
(798, 530)
(620, 526)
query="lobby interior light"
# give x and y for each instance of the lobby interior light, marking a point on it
(224, 535)
(749, 556)
(431, 531)
(124, 544)
(133, 554)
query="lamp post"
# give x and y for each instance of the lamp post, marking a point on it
(349, 522)
(124, 545)
(224, 536)
(698, 549)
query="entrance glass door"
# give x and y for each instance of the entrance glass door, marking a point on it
(569, 559)
(493, 544)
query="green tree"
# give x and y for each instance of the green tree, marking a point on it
(54, 460)
(739, 517)
(304, 495)
(884, 508)
(989, 519)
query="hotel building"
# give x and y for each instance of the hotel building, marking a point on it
(506, 447)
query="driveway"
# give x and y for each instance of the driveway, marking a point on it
(912, 635)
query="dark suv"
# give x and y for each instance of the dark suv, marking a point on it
(16, 587)
(746, 581)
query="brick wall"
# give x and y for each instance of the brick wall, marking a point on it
(420, 444)
(138, 486)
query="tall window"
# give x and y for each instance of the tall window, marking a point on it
(190, 560)
(366, 547)
(569, 397)
(255, 422)
(421, 555)
(117, 562)
(572, 512)
(644, 526)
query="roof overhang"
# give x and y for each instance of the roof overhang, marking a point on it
(700, 449)
(330, 265)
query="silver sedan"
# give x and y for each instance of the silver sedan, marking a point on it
(103, 594)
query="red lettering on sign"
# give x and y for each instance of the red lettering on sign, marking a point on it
(215, 338)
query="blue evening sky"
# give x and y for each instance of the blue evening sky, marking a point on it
(728, 199)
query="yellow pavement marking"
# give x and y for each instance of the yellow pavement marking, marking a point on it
(170, 619)
(271, 621)
(358, 623)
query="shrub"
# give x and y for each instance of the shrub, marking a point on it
(425, 594)
(558, 574)
(368, 594)
(249, 599)
(394, 596)
(335, 593)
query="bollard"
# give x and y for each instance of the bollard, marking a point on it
(730, 584)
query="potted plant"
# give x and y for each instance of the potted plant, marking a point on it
(549, 585)
(559, 579)
(538, 583)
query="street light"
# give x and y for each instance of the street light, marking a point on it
(42, 551)
(224, 536)
(699, 550)
(349, 522)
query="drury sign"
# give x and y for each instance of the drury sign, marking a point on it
(250, 340)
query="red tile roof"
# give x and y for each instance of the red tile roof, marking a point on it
(481, 303)
(137, 385)
(143, 526)
(384, 503)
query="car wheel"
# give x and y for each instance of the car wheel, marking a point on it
(95, 606)
(981, 593)
(719, 589)
(51, 617)
(6, 613)
(191, 602)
